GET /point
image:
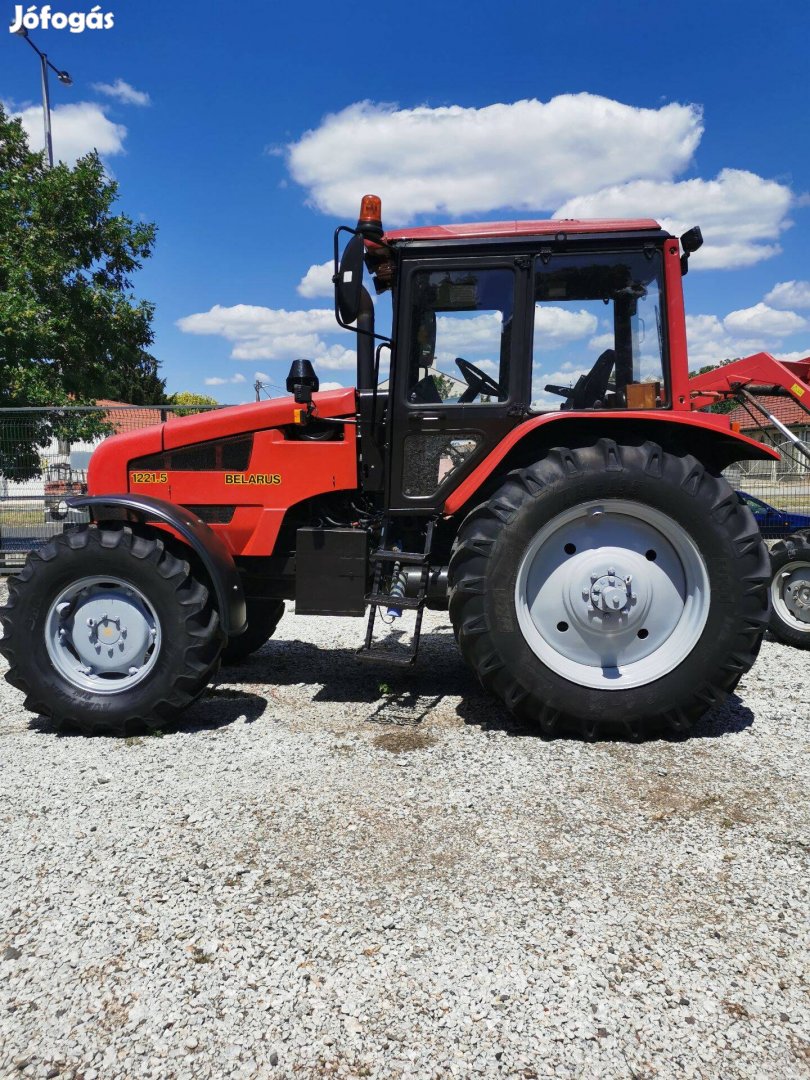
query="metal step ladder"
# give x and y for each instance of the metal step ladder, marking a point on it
(387, 590)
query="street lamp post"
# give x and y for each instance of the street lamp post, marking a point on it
(63, 78)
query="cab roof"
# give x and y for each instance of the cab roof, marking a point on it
(484, 230)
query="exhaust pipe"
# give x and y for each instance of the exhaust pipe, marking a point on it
(365, 342)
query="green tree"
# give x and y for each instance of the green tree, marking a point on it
(187, 397)
(444, 384)
(71, 329)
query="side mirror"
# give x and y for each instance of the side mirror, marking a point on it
(349, 280)
(691, 240)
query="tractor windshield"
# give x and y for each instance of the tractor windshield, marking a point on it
(598, 340)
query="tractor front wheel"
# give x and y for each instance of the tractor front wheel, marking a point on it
(610, 588)
(107, 632)
(790, 590)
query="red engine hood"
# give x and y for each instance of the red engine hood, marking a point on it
(253, 417)
(107, 473)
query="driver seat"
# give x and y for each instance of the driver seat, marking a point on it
(589, 389)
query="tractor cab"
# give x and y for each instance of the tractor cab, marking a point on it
(498, 323)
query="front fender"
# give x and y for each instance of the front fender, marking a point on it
(203, 541)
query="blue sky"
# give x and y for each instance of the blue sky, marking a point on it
(255, 128)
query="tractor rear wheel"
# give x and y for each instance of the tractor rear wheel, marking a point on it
(790, 590)
(610, 589)
(107, 632)
(263, 616)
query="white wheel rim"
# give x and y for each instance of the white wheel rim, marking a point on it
(790, 594)
(102, 635)
(612, 594)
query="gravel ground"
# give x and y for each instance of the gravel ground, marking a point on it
(346, 871)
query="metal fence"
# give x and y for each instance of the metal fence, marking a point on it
(778, 492)
(44, 456)
(45, 453)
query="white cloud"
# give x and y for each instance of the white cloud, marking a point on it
(123, 92)
(528, 155)
(585, 155)
(473, 334)
(711, 339)
(789, 294)
(602, 342)
(763, 321)
(555, 326)
(331, 386)
(317, 281)
(740, 213)
(77, 129)
(792, 357)
(260, 333)
(217, 381)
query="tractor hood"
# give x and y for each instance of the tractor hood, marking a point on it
(110, 462)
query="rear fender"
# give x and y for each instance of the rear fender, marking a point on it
(214, 556)
(706, 435)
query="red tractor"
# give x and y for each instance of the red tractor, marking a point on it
(600, 573)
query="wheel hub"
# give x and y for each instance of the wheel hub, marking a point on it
(608, 593)
(110, 632)
(797, 599)
(102, 635)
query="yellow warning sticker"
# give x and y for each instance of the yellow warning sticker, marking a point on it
(264, 479)
(797, 390)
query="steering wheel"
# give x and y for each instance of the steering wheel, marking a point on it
(477, 381)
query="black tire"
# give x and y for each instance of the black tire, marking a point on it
(191, 637)
(787, 624)
(263, 618)
(495, 536)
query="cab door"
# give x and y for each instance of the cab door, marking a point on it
(457, 382)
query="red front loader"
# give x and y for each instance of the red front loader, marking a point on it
(558, 491)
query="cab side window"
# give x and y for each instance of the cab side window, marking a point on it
(461, 333)
(598, 332)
